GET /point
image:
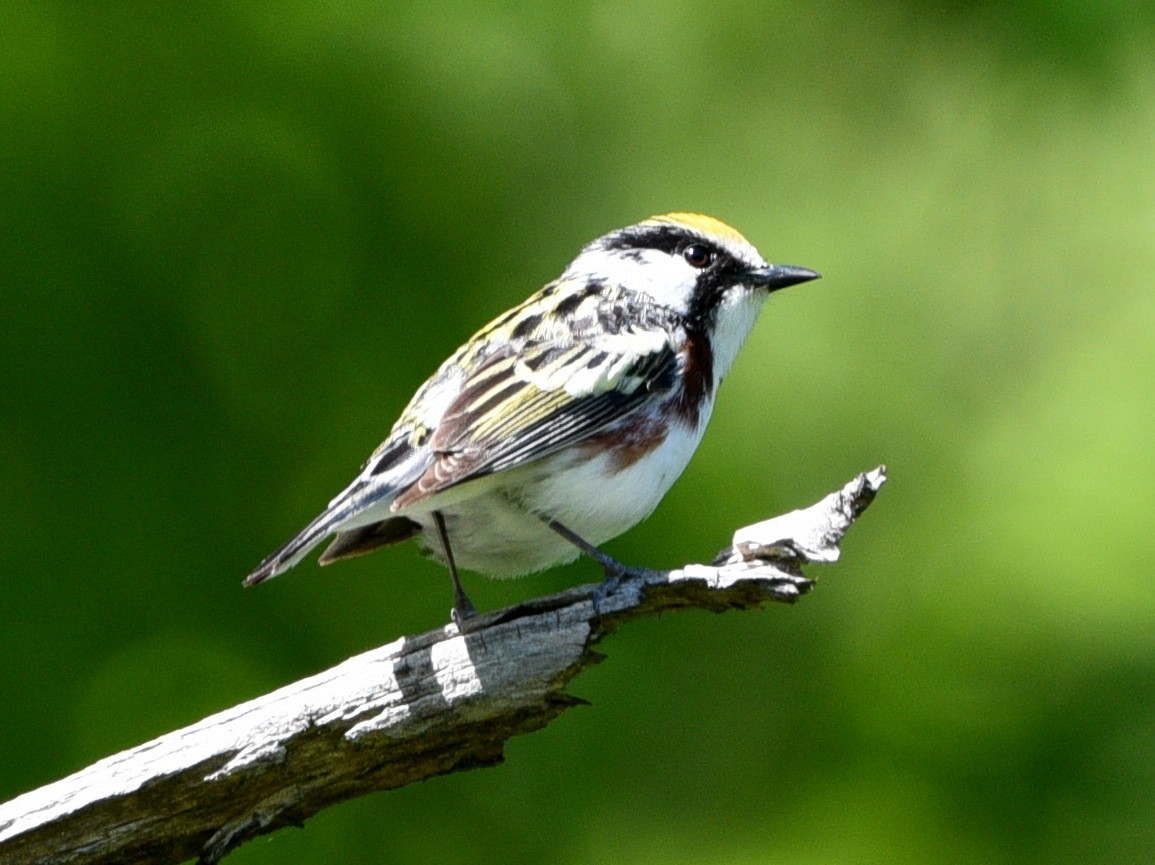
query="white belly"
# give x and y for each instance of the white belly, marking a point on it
(492, 525)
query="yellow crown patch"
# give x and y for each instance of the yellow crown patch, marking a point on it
(701, 223)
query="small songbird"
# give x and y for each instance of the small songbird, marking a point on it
(563, 422)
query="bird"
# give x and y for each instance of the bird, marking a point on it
(563, 422)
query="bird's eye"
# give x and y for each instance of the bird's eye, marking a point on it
(698, 255)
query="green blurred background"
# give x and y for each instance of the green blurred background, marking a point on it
(234, 237)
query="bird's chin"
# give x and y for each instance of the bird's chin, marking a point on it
(736, 317)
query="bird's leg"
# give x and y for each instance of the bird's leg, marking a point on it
(608, 563)
(614, 569)
(462, 606)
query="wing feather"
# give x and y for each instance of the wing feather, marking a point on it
(522, 405)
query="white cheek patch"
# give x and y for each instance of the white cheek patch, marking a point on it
(668, 279)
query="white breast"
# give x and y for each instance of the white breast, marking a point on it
(491, 521)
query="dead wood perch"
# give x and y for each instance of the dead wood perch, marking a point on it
(421, 706)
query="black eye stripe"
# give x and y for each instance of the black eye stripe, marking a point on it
(665, 238)
(672, 240)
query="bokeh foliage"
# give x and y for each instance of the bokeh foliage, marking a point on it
(234, 237)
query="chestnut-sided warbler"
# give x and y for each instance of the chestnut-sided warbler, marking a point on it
(563, 422)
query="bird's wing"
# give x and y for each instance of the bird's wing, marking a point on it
(524, 403)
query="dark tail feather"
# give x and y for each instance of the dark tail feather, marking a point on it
(296, 549)
(353, 500)
(366, 539)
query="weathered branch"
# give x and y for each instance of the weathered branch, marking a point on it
(421, 706)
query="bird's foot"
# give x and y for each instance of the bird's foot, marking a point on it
(463, 612)
(607, 587)
(615, 573)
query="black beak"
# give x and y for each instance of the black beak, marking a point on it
(776, 276)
